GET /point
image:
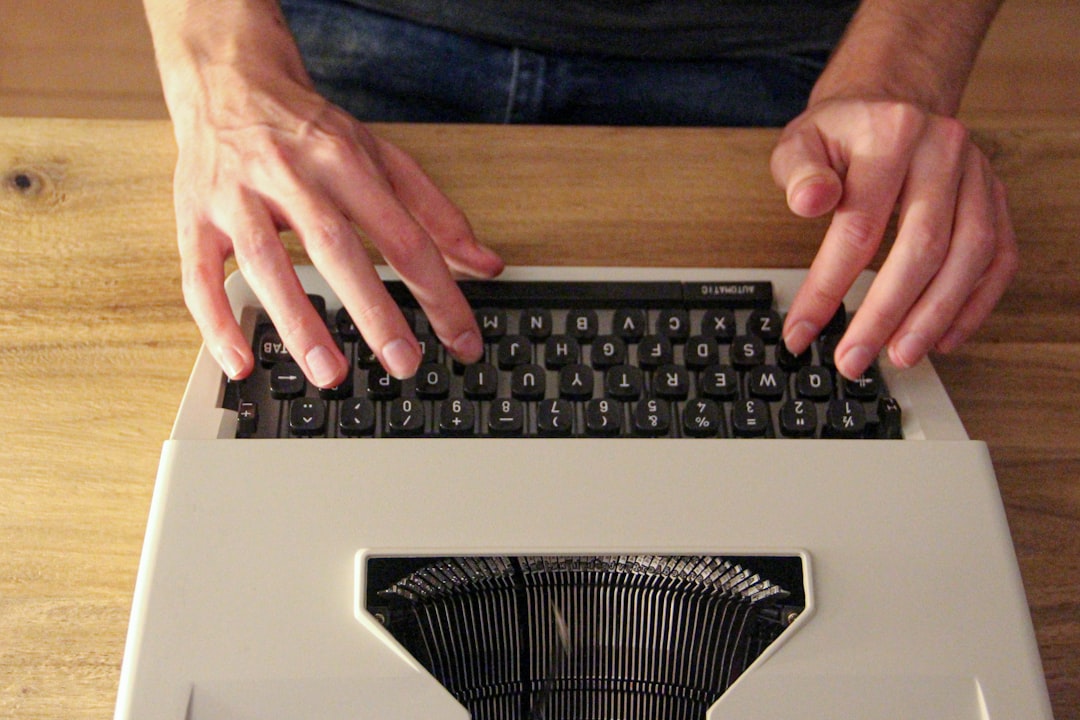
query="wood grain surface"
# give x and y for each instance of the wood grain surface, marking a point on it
(96, 344)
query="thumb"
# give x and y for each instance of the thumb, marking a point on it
(801, 166)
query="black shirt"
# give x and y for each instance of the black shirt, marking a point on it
(654, 29)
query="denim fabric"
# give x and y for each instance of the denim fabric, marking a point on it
(381, 68)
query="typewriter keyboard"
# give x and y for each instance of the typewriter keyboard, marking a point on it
(580, 359)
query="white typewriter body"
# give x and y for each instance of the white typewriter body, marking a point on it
(249, 600)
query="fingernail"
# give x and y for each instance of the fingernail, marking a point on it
(855, 361)
(801, 335)
(467, 346)
(232, 362)
(401, 358)
(323, 366)
(908, 350)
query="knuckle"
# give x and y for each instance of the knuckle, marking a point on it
(826, 296)
(196, 277)
(928, 247)
(373, 317)
(858, 234)
(897, 121)
(257, 251)
(407, 247)
(954, 135)
(330, 239)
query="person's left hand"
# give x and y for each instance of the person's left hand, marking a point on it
(955, 251)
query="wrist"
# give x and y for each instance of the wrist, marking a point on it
(218, 53)
(915, 51)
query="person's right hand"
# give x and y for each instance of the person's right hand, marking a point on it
(261, 159)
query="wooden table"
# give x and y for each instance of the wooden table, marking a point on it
(96, 344)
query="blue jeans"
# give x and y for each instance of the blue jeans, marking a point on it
(381, 68)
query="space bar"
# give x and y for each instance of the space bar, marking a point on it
(575, 294)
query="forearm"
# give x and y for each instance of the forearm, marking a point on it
(919, 51)
(205, 47)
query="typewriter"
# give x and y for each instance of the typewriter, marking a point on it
(639, 504)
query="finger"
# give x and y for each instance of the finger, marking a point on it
(269, 271)
(994, 281)
(202, 256)
(444, 222)
(871, 188)
(927, 209)
(971, 251)
(407, 247)
(801, 165)
(335, 249)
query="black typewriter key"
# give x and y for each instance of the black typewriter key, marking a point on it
(719, 382)
(513, 350)
(429, 348)
(890, 419)
(719, 324)
(307, 417)
(671, 382)
(346, 328)
(865, 387)
(701, 352)
(767, 382)
(411, 317)
(457, 417)
(319, 303)
(286, 381)
(381, 385)
(624, 382)
(405, 417)
(814, 383)
(844, 419)
(356, 417)
(560, 350)
(432, 381)
(750, 418)
(608, 351)
(837, 323)
(492, 323)
(535, 323)
(629, 324)
(555, 418)
(582, 325)
(701, 418)
(528, 382)
(654, 351)
(506, 417)
(798, 419)
(747, 351)
(652, 418)
(766, 324)
(247, 420)
(343, 390)
(603, 417)
(674, 325)
(828, 349)
(480, 382)
(365, 356)
(576, 382)
(789, 360)
(269, 347)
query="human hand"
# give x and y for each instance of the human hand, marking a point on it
(955, 251)
(261, 157)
